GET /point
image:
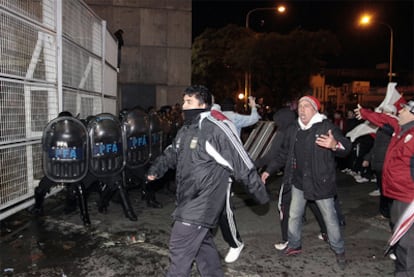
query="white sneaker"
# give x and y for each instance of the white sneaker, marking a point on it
(281, 246)
(323, 237)
(375, 193)
(233, 254)
(360, 179)
(393, 257)
(352, 173)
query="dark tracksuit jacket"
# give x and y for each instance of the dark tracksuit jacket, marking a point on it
(205, 154)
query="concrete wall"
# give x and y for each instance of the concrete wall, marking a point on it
(156, 57)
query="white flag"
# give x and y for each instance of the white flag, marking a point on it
(362, 129)
(403, 224)
(392, 97)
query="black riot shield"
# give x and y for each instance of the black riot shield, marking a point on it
(135, 127)
(156, 135)
(167, 129)
(65, 150)
(106, 146)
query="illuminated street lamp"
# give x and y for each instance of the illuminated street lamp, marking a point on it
(279, 9)
(366, 20)
(247, 76)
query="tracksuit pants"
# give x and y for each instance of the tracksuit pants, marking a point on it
(227, 222)
(189, 243)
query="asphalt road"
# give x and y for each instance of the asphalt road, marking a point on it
(59, 245)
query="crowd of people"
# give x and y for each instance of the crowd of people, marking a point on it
(207, 156)
(308, 149)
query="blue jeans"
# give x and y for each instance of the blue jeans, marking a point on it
(327, 208)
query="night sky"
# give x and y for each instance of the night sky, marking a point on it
(362, 47)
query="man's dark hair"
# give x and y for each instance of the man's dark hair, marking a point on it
(227, 105)
(65, 113)
(201, 93)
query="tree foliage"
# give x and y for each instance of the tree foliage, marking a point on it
(215, 59)
(281, 65)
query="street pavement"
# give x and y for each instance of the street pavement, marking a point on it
(59, 245)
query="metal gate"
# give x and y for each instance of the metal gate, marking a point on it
(260, 139)
(54, 55)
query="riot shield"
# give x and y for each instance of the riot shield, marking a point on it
(156, 136)
(135, 127)
(65, 150)
(167, 131)
(106, 146)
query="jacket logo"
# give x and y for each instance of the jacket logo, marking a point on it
(193, 143)
(408, 138)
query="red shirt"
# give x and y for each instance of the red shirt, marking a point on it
(397, 172)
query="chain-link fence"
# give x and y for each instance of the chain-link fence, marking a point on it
(55, 55)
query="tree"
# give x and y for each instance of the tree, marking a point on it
(281, 65)
(217, 61)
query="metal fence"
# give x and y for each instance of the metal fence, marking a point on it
(54, 55)
(260, 139)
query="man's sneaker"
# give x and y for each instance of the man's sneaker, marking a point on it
(381, 217)
(323, 236)
(373, 179)
(292, 251)
(393, 257)
(341, 261)
(352, 173)
(375, 193)
(281, 246)
(233, 254)
(360, 179)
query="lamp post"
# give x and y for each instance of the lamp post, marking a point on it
(366, 20)
(247, 74)
(279, 9)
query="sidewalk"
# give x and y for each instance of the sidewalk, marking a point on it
(59, 245)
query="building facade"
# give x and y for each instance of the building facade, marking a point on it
(345, 94)
(156, 53)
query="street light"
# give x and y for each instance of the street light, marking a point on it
(366, 20)
(279, 9)
(247, 74)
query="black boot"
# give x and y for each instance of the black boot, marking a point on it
(104, 197)
(126, 204)
(152, 202)
(148, 193)
(143, 194)
(37, 208)
(83, 205)
(71, 200)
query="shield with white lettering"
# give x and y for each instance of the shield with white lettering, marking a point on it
(106, 145)
(65, 150)
(135, 128)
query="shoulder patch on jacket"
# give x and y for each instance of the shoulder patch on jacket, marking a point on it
(218, 115)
